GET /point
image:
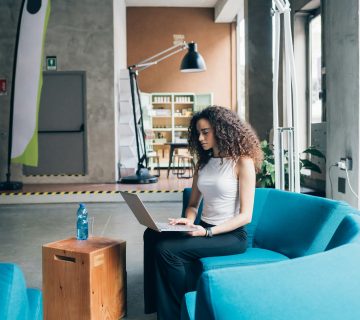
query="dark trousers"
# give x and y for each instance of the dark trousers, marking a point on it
(171, 265)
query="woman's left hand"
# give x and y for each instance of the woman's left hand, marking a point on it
(201, 232)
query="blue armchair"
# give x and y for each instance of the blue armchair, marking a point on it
(286, 226)
(16, 301)
(323, 286)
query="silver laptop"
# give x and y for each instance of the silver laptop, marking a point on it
(144, 217)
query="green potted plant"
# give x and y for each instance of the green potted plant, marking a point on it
(266, 176)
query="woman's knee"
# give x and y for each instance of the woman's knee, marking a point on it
(149, 235)
(160, 248)
(165, 251)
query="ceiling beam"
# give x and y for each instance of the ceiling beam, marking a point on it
(226, 10)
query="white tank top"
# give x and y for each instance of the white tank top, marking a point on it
(220, 190)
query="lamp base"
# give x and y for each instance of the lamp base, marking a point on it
(11, 185)
(141, 176)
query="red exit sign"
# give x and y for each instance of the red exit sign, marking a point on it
(3, 87)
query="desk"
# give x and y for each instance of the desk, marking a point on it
(84, 279)
(174, 146)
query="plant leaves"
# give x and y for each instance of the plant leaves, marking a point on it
(314, 152)
(266, 176)
(307, 164)
(273, 177)
(263, 144)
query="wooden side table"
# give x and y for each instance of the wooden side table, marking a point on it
(84, 279)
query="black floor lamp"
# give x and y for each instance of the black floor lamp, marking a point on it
(192, 62)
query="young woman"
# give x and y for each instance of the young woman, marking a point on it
(228, 154)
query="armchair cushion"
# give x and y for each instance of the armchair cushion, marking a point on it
(249, 257)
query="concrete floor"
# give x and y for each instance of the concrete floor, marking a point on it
(25, 228)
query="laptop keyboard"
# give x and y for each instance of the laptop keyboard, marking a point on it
(163, 226)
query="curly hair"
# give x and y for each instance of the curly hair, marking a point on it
(234, 137)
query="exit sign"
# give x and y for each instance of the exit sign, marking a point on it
(51, 63)
(3, 87)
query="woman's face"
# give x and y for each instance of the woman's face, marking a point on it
(206, 134)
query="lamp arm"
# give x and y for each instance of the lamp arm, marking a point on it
(143, 66)
(152, 60)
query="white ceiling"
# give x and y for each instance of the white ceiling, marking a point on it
(225, 10)
(171, 3)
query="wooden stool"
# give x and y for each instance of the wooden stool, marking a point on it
(185, 162)
(84, 279)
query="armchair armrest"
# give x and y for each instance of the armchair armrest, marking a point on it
(320, 286)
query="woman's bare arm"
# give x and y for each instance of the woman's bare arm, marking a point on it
(193, 205)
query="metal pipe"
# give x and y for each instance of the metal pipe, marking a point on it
(281, 159)
(288, 42)
(291, 159)
(275, 99)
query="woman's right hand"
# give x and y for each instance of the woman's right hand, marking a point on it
(186, 221)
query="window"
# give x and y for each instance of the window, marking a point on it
(315, 74)
(240, 34)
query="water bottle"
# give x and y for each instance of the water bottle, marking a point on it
(82, 224)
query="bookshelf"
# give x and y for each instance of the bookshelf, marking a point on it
(168, 119)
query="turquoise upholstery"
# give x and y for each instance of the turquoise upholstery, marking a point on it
(290, 225)
(347, 232)
(16, 301)
(188, 306)
(295, 224)
(323, 286)
(286, 226)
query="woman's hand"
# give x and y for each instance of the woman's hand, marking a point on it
(201, 232)
(181, 221)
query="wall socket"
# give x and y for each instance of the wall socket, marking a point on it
(341, 184)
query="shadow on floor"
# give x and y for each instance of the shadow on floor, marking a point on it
(24, 228)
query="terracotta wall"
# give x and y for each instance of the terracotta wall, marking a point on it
(150, 30)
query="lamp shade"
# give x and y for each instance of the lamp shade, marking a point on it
(192, 61)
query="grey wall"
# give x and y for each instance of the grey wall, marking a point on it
(8, 22)
(80, 34)
(342, 83)
(258, 57)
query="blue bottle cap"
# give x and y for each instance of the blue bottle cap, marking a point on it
(82, 205)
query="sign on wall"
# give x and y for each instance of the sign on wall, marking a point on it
(3, 87)
(51, 63)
